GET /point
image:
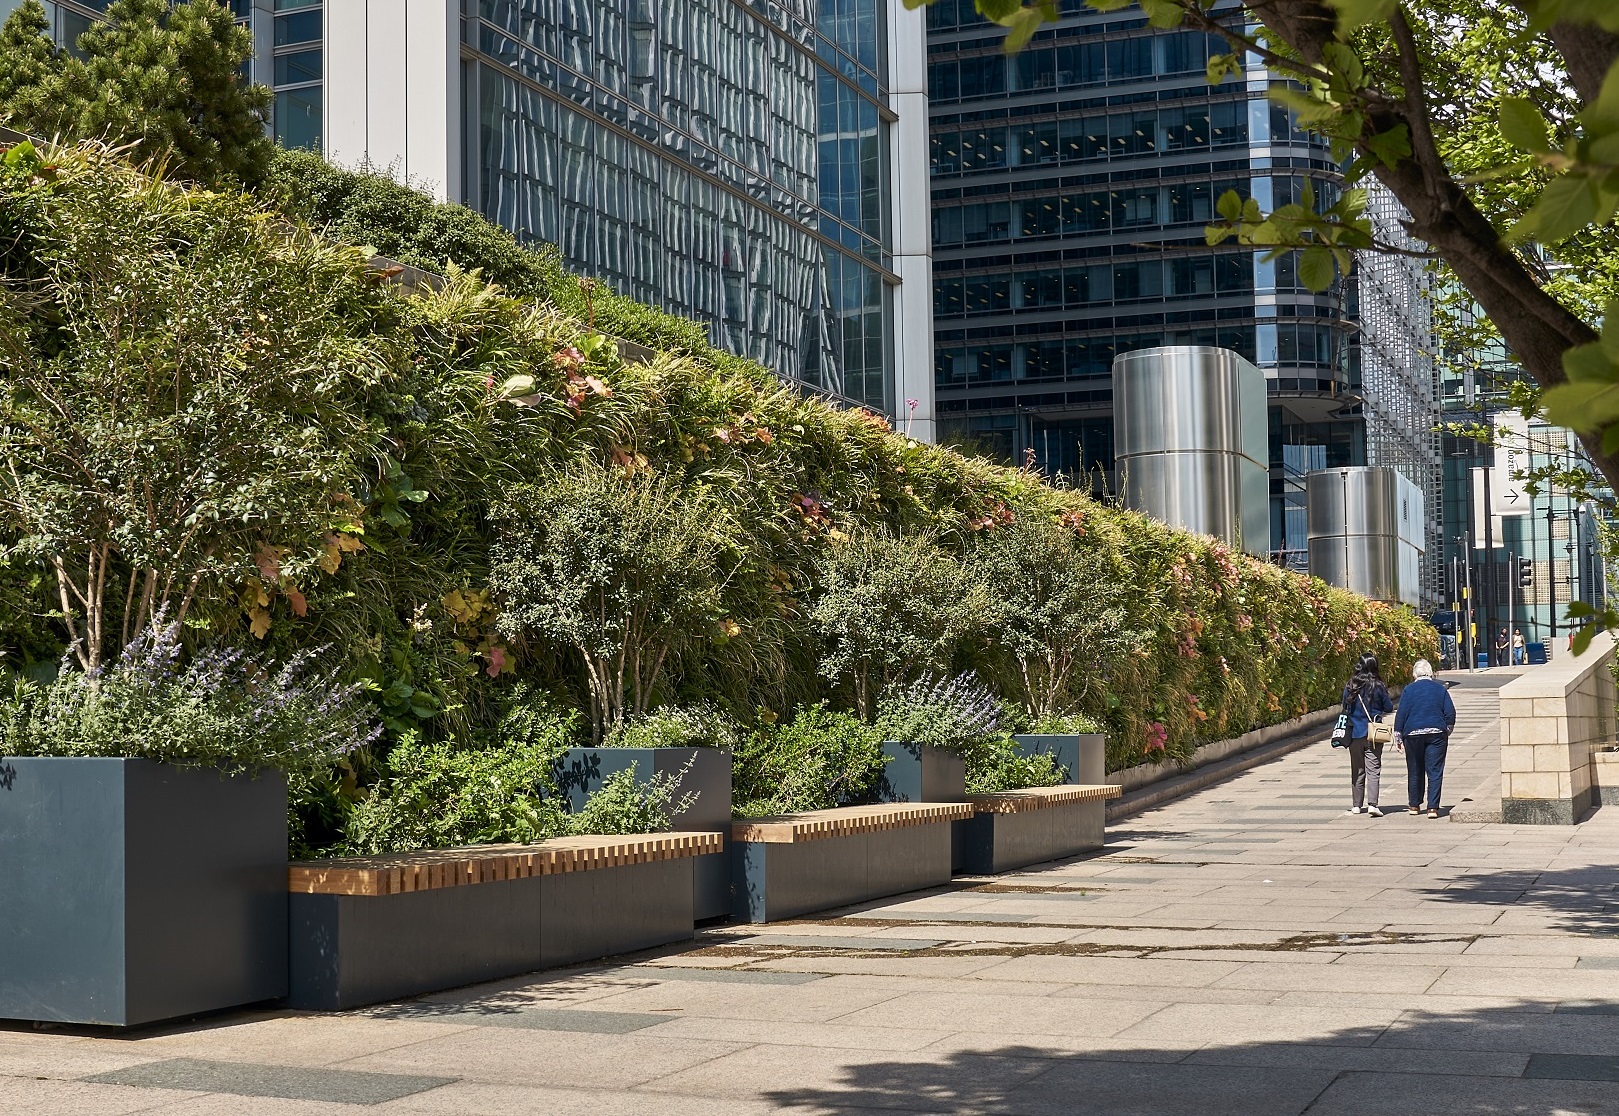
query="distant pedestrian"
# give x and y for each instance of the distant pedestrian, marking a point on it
(1366, 700)
(1422, 730)
(1520, 648)
(1502, 644)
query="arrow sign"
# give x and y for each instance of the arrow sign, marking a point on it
(1511, 456)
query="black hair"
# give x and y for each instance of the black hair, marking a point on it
(1367, 672)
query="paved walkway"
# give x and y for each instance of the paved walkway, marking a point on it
(1250, 950)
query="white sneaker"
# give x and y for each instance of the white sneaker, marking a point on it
(1374, 811)
(1356, 810)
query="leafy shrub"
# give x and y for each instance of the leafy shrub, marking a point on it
(820, 759)
(624, 805)
(994, 763)
(118, 392)
(224, 708)
(1063, 724)
(439, 795)
(693, 726)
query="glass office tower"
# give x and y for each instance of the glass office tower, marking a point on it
(733, 169)
(758, 168)
(734, 163)
(1072, 183)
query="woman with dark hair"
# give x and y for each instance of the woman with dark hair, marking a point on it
(1365, 699)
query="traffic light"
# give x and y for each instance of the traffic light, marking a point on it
(1526, 573)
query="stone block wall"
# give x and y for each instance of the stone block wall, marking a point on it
(1553, 721)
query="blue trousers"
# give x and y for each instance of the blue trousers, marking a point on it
(1425, 759)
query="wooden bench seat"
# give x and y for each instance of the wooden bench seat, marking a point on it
(374, 928)
(1041, 798)
(844, 821)
(797, 863)
(1016, 828)
(428, 869)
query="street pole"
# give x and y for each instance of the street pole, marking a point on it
(1472, 636)
(1551, 563)
(1512, 563)
(1488, 588)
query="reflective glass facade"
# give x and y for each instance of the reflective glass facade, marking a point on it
(296, 70)
(729, 163)
(1071, 186)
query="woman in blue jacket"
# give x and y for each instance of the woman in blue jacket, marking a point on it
(1422, 729)
(1365, 699)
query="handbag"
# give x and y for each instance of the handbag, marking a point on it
(1376, 731)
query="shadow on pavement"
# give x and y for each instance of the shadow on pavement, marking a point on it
(1526, 1060)
(1584, 900)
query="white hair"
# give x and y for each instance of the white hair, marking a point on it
(1422, 668)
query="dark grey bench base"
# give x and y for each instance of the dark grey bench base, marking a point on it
(987, 844)
(706, 775)
(775, 881)
(353, 950)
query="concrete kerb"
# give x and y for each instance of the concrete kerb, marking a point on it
(1150, 785)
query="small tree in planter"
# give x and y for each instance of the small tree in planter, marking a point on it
(891, 607)
(183, 410)
(629, 572)
(1057, 610)
(143, 810)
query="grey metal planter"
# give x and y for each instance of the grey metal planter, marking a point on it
(132, 891)
(580, 772)
(920, 773)
(1082, 756)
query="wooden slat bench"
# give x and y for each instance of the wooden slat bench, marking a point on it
(368, 929)
(1012, 829)
(793, 864)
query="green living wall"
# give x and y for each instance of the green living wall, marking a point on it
(467, 502)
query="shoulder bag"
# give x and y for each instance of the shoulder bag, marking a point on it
(1376, 731)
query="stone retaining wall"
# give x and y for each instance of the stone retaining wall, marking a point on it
(1554, 719)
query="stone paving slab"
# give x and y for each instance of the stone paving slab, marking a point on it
(1249, 949)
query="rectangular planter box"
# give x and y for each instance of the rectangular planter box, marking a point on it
(919, 773)
(799, 863)
(580, 772)
(1605, 777)
(1014, 829)
(369, 929)
(1082, 756)
(132, 891)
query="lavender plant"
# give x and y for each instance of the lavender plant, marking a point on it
(944, 712)
(966, 716)
(223, 708)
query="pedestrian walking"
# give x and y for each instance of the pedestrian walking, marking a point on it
(1501, 647)
(1366, 700)
(1422, 730)
(1520, 648)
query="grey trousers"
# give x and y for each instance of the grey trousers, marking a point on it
(1365, 770)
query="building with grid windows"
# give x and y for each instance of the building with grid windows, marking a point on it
(761, 169)
(1072, 183)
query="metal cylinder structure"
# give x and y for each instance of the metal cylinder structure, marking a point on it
(1192, 441)
(1366, 531)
